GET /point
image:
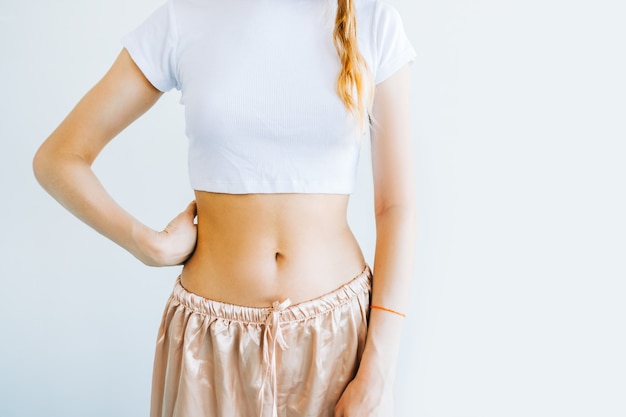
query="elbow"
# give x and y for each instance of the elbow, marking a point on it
(402, 214)
(405, 207)
(55, 167)
(56, 164)
(47, 164)
(40, 165)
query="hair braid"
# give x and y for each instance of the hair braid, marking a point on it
(354, 76)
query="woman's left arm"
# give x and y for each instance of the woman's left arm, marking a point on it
(370, 393)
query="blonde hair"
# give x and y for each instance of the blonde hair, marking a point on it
(355, 81)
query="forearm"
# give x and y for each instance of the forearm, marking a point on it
(70, 180)
(393, 271)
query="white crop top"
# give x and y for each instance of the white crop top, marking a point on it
(258, 84)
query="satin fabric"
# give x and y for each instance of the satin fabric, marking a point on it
(221, 360)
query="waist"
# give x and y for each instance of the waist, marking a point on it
(359, 285)
(254, 249)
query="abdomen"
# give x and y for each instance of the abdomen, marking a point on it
(254, 249)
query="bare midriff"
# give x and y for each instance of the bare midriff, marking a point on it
(254, 249)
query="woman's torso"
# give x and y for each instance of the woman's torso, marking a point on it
(254, 249)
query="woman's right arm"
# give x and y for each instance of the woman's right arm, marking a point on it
(62, 166)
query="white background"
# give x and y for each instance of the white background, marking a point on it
(518, 299)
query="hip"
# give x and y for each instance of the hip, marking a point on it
(288, 360)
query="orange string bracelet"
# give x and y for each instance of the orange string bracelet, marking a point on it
(388, 310)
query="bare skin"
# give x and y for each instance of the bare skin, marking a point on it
(255, 249)
(258, 248)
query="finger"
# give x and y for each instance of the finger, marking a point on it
(187, 215)
(192, 208)
(189, 212)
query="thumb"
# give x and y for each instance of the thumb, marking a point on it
(185, 216)
(191, 209)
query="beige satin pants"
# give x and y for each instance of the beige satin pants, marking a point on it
(221, 360)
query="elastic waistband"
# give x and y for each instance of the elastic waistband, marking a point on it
(296, 312)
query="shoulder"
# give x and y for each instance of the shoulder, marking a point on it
(377, 18)
(382, 38)
(375, 9)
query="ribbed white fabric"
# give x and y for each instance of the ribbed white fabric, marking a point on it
(258, 83)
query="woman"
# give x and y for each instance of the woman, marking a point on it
(275, 311)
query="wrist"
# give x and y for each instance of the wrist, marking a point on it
(376, 374)
(384, 334)
(145, 245)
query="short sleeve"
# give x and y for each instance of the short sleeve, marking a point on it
(152, 45)
(393, 48)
